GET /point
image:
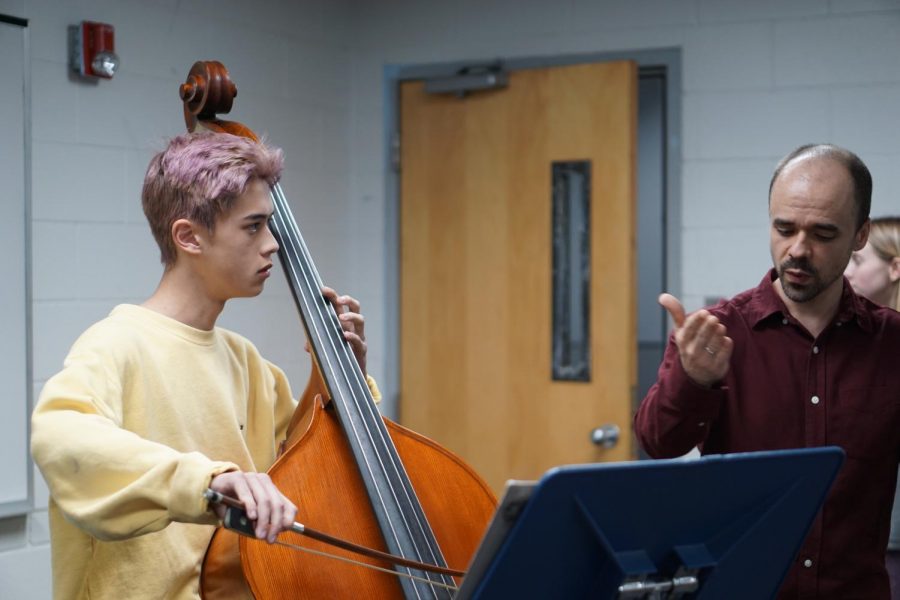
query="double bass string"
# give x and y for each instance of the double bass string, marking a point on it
(453, 587)
(295, 258)
(338, 348)
(313, 289)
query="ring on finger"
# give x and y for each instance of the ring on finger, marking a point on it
(709, 350)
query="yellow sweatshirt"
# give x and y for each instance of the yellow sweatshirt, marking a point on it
(128, 436)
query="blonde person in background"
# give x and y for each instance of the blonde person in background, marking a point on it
(874, 272)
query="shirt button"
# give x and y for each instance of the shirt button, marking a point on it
(815, 349)
(784, 321)
(838, 323)
(807, 563)
(814, 399)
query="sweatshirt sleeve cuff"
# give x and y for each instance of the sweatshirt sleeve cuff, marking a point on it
(192, 478)
(373, 387)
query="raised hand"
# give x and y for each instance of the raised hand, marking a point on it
(703, 344)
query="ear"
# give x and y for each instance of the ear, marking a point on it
(894, 269)
(862, 236)
(187, 236)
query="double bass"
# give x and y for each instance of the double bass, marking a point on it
(352, 473)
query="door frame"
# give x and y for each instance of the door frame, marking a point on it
(651, 63)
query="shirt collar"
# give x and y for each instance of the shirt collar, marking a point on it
(765, 303)
(853, 307)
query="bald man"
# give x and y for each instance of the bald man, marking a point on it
(796, 362)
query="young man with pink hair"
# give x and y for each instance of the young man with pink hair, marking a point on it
(155, 404)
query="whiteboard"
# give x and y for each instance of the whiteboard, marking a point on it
(15, 347)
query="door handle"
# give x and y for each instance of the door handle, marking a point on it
(605, 435)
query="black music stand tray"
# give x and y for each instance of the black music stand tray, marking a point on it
(722, 526)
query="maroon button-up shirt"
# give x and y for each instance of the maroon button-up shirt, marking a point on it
(786, 389)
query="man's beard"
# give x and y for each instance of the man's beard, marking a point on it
(805, 292)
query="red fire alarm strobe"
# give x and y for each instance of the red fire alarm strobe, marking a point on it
(93, 49)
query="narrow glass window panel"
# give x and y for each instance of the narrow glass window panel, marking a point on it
(571, 270)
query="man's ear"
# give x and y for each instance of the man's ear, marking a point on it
(862, 236)
(187, 236)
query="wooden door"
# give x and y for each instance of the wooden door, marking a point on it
(476, 267)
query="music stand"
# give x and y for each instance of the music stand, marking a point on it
(722, 526)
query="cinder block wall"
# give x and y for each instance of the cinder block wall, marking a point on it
(759, 78)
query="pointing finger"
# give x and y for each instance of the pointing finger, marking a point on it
(673, 307)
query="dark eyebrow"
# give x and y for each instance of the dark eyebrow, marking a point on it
(258, 217)
(829, 227)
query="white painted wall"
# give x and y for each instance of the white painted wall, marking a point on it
(759, 79)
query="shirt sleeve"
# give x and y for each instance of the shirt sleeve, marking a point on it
(107, 480)
(677, 413)
(373, 387)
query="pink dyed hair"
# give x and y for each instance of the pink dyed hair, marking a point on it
(197, 177)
